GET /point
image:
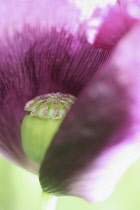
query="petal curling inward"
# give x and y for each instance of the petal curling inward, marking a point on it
(116, 24)
(100, 137)
(93, 14)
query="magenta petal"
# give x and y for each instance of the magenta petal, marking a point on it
(115, 25)
(99, 138)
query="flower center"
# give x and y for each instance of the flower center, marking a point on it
(54, 105)
(45, 115)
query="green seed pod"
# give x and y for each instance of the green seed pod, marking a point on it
(43, 120)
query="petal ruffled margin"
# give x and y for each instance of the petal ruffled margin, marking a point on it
(99, 138)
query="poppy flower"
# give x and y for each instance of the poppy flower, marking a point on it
(91, 51)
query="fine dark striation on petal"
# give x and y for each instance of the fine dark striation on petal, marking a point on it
(36, 61)
(99, 138)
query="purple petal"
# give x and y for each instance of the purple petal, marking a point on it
(116, 24)
(99, 138)
(10, 142)
(36, 59)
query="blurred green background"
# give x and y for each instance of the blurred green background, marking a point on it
(20, 190)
